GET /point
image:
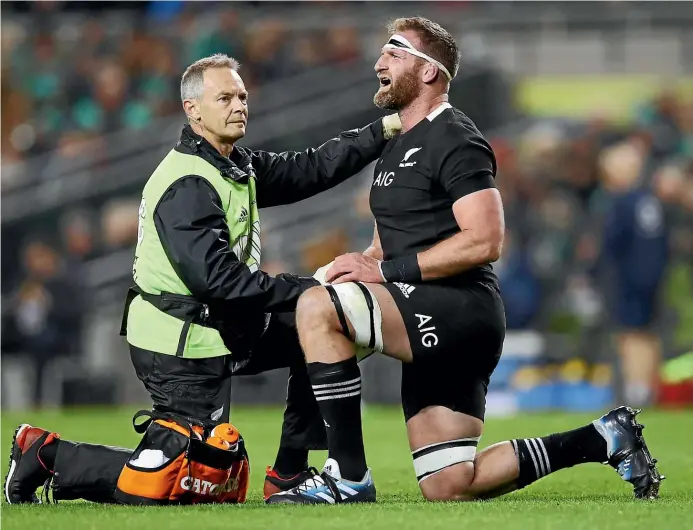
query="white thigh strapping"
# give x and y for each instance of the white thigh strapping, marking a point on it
(433, 458)
(367, 324)
(322, 272)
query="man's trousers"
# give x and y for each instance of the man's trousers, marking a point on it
(199, 389)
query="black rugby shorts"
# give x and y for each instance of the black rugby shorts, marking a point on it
(456, 335)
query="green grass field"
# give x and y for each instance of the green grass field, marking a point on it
(589, 497)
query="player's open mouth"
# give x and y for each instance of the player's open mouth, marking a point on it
(384, 81)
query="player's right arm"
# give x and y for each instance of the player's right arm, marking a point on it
(480, 240)
(191, 225)
(467, 173)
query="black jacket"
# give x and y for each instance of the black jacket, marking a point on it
(192, 227)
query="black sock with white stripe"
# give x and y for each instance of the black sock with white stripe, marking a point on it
(540, 456)
(337, 389)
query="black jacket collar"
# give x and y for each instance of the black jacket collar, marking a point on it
(237, 167)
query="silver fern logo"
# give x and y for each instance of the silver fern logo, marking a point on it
(404, 162)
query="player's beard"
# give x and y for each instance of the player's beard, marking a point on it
(401, 93)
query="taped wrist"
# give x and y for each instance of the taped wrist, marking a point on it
(404, 269)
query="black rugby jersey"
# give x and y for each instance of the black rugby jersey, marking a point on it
(419, 176)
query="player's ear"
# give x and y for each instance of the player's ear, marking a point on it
(430, 72)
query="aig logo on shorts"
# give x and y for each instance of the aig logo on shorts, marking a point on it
(428, 338)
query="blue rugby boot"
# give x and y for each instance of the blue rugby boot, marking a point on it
(327, 487)
(627, 451)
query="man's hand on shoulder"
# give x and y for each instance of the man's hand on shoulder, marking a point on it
(354, 267)
(391, 125)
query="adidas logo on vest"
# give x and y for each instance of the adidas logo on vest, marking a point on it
(244, 215)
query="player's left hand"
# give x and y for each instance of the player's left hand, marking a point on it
(354, 267)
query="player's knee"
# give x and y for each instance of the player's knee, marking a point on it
(452, 484)
(313, 310)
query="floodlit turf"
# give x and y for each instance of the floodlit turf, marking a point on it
(589, 497)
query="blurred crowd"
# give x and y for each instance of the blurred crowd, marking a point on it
(599, 217)
(63, 85)
(561, 184)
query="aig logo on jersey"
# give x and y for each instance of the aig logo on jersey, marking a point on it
(407, 155)
(384, 178)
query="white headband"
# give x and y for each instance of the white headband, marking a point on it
(400, 43)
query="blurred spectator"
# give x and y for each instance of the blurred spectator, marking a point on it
(227, 38)
(99, 110)
(119, 223)
(582, 300)
(552, 233)
(687, 195)
(163, 11)
(344, 44)
(268, 57)
(669, 184)
(155, 94)
(580, 166)
(308, 51)
(662, 117)
(77, 230)
(75, 150)
(635, 245)
(47, 314)
(520, 286)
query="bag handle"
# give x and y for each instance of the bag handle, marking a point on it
(169, 416)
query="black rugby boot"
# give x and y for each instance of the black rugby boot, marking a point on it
(627, 451)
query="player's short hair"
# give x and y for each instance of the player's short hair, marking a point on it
(193, 77)
(435, 40)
